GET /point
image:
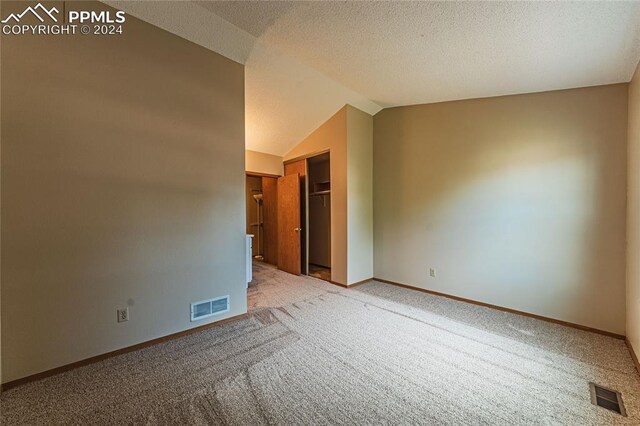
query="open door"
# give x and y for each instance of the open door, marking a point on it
(289, 229)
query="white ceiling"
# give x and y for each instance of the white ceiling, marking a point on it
(305, 60)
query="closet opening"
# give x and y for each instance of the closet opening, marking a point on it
(304, 216)
(319, 216)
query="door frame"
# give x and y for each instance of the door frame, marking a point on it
(264, 233)
(258, 174)
(306, 156)
(305, 200)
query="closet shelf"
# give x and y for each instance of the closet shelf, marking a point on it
(318, 193)
(319, 187)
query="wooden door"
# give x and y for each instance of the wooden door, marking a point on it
(289, 224)
(299, 167)
(270, 219)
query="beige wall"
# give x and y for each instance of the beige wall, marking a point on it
(259, 162)
(122, 185)
(332, 135)
(633, 216)
(360, 194)
(517, 201)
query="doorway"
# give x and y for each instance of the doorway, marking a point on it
(319, 216)
(261, 210)
(304, 216)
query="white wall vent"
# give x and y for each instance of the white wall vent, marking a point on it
(207, 308)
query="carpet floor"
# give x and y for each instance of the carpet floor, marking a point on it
(314, 353)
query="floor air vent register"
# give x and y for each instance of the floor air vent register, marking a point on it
(607, 398)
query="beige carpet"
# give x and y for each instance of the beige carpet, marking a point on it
(314, 353)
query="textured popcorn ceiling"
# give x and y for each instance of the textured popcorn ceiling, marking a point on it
(307, 59)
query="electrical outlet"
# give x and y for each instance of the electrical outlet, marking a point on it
(123, 315)
(432, 272)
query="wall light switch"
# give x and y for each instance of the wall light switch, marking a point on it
(432, 272)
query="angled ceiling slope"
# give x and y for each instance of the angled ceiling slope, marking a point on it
(305, 60)
(285, 100)
(402, 53)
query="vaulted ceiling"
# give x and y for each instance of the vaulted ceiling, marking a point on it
(305, 60)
